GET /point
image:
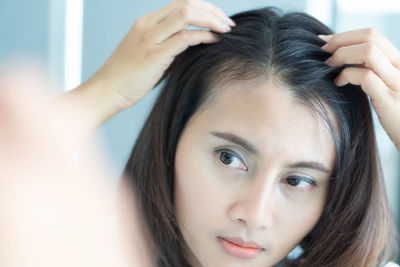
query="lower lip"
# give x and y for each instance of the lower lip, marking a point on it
(239, 251)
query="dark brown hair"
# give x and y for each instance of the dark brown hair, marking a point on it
(356, 227)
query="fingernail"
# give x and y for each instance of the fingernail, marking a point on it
(325, 46)
(226, 27)
(335, 81)
(326, 38)
(230, 22)
(217, 37)
(338, 83)
(328, 61)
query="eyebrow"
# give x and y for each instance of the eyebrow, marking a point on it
(310, 165)
(252, 149)
(236, 140)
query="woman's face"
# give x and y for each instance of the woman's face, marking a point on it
(254, 165)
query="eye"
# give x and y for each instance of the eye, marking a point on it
(231, 158)
(300, 182)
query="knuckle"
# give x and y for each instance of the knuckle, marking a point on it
(371, 33)
(339, 53)
(141, 21)
(370, 51)
(368, 76)
(147, 37)
(333, 41)
(340, 50)
(185, 12)
(184, 37)
(187, 2)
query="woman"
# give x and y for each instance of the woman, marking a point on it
(315, 178)
(259, 142)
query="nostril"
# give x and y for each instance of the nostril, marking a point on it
(242, 220)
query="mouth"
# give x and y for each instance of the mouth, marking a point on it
(238, 248)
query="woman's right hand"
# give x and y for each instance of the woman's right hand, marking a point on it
(151, 45)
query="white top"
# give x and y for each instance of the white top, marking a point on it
(391, 264)
(298, 250)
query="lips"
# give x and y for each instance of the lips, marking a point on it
(240, 242)
(238, 248)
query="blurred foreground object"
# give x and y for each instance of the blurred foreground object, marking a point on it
(57, 210)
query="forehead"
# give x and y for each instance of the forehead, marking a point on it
(267, 114)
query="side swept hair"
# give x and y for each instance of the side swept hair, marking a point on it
(356, 227)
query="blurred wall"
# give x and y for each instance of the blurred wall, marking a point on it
(24, 28)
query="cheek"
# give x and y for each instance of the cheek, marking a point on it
(197, 194)
(294, 221)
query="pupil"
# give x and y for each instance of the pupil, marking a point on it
(225, 158)
(293, 181)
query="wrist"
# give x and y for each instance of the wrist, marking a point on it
(113, 92)
(99, 92)
(93, 102)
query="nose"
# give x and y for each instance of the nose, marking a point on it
(254, 205)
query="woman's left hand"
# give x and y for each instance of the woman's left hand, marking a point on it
(57, 210)
(378, 73)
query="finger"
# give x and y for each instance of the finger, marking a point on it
(369, 81)
(183, 39)
(181, 18)
(372, 57)
(385, 102)
(162, 13)
(368, 35)
(215, 10)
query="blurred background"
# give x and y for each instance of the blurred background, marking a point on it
(73, 38)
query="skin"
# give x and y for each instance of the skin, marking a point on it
(251, 199)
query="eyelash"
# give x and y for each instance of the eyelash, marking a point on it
(307, 180)
(294, 177)
(232, 153)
